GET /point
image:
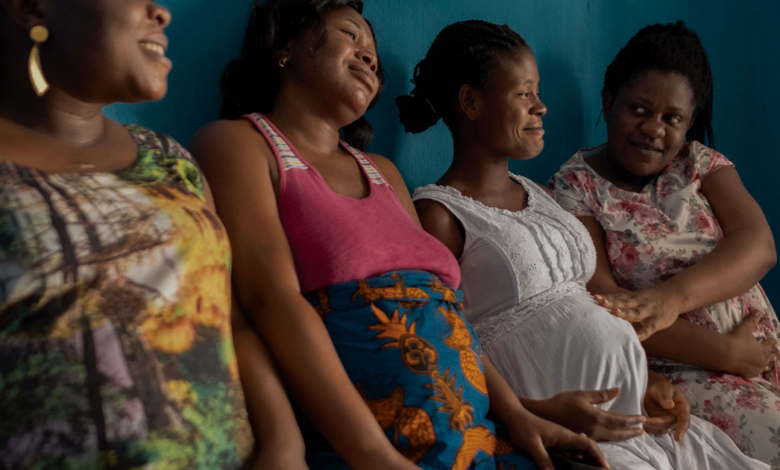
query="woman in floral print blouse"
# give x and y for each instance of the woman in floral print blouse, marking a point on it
(681, 243)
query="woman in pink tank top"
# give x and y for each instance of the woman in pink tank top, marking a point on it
(355, 301)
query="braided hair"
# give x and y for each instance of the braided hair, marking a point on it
(668, 48)
(251, 83)
(463, 53)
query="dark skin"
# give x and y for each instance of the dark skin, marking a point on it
(655, 111)
(503, 118)
(66, 131)
(318, 95)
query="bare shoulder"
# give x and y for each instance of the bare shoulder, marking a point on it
(385, 165)
(437, 220)
(225, 138)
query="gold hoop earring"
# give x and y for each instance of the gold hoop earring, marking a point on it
(283, 62)
(39, 34)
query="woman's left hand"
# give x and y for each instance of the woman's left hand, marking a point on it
(666, 407)
(649, 310)
(533, 435)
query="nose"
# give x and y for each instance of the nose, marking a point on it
(369, 58)
(539, 108)
(652, 127)
(159, 14)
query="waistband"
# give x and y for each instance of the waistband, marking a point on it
(403, 286)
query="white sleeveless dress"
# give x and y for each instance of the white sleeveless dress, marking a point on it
(523, 280)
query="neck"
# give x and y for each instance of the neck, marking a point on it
(309, 130)
(56, 115)
(618, 174)
(475, 169)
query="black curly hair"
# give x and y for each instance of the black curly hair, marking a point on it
(251, 83)
(463, 53)
(671, 47)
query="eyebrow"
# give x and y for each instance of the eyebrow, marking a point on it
(355, 23)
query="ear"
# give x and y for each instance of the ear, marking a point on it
(469, 101)
(26, 13)
(606, 105)
(284, 52)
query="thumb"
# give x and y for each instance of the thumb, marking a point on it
(598, 397)
(664, 396)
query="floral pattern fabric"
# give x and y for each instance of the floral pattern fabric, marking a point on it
(115, 338)
(653, 235)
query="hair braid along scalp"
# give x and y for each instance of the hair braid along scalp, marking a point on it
(671, 47)
(251, 83)
(462, 53)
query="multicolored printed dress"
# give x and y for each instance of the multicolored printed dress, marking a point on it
(653, 235)
(115, 338)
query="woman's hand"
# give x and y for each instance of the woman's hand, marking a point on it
(750, 357)
(666, 407)
(575, 411)
(532, 435)
(649, 310)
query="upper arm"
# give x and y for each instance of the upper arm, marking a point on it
(237, 164)
(397, 182)
(603, 281)
(442, 224)
(731, 202)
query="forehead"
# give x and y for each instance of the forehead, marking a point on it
(513, 69)
(655, 85)
(349, 15)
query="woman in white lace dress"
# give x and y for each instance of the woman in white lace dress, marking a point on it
(525, 261)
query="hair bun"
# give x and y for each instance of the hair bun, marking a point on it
(415, 113)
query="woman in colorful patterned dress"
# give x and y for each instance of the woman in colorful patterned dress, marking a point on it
(115, 304)
(353, 298)
(678, 235)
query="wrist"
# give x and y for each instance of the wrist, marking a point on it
(672, 297)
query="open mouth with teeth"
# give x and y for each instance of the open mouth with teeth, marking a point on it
(152, 47)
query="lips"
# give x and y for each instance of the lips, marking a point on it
(646, 147)
(365, 74)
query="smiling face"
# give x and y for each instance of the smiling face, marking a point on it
(342, 72)
(105, 51)
(509, 109)
(647, 121)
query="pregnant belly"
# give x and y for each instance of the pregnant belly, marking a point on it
(573, 344)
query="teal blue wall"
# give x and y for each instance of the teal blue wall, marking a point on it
(574, 41)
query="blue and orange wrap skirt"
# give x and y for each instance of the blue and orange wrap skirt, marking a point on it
(416, 362)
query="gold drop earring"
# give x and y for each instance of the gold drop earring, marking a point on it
(39, 34)
(283, 62)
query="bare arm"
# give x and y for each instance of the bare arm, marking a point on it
(238, 164)
(685, 342)
(276, 431)
(740, 260)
